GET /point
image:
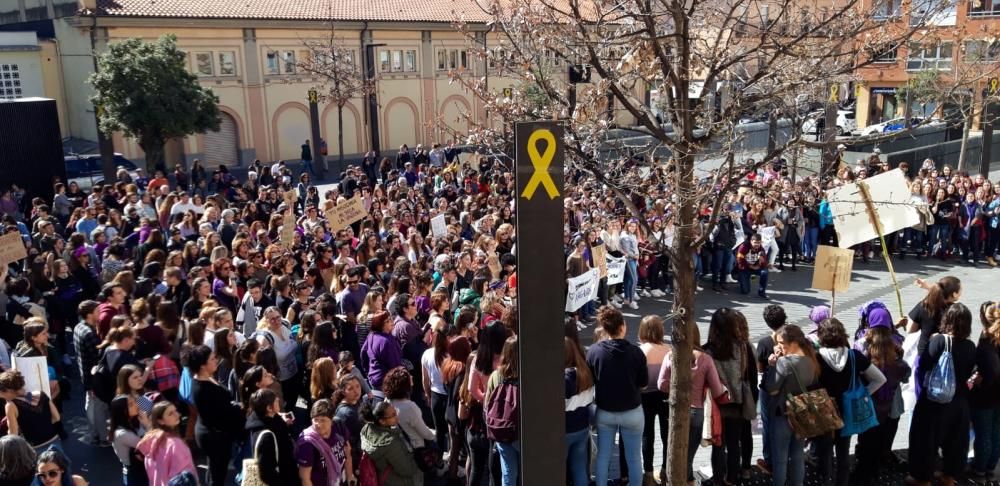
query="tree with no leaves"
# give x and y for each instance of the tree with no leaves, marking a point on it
(145, 90)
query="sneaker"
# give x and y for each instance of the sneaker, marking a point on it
(763, 295)
(775, 270)
(729, 279)
(644, 293)
(636, 297)
(632, 305)
(617, 304)
(764, 466)
(657, 293)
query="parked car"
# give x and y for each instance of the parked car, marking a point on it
(846, 122)
(86, 170)
(895, 125)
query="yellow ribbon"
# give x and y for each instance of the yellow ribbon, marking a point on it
(994, 85)
(541, 164)
(834, 93)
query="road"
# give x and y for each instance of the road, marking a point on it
(791, 290)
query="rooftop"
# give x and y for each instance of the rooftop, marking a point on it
(342, 10)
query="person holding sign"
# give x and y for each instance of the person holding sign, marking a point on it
(29, 414)
(751, 259)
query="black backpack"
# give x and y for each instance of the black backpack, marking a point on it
(104, 381)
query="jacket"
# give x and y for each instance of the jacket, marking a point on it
(467, 296)
(379, 354)
(387, 447)
(166, 456)
(825, 215)
(281, 470)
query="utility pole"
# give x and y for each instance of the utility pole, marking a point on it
(318, 158)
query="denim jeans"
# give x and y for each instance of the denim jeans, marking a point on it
(577, 455)
(940, 233)
(913, 240)
(809, 242)
(722, 259)
(97, 416)
(786, 452)
(630, 422)
(631, 279)
(745, 281)
(694, 438)
(307, 165)
(510, 461)
(765, 421)
(986, 423)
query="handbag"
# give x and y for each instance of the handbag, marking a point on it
(251, 466)
(811, 413)
(749, 405)
(184, 478)
(858, 406)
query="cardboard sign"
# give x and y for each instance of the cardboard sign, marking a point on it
(582, 289)
(600, 256)
(346, 213)
(12, 248)
(891, 199)
(287, 235)
(616, 270)
(36, 373)
(290, 197)
(833, 269)
(438, 226)
(766, 235)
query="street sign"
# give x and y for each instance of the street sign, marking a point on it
(541, 297)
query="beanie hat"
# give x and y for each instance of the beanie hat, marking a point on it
(879, 317)
(819, 313)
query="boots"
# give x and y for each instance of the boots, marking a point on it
(991, 261)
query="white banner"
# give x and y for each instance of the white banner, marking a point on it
(890, 196)
(35, 371)
(616, 270)
(582, 289)
(438, 226)
(766, 236)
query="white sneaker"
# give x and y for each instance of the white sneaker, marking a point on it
(775, 270)
(617, 299)
(617, 304)
(636, 298)
(644, 293)
(657, 293)
(729, 279)
(632, 305)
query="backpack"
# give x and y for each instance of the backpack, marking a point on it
(940, 382)
(503, 412)
(104, 382)
(368, 473)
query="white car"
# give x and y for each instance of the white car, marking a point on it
(895, 125)
(846, 122)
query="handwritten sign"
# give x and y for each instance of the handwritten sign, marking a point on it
(582, 289)
(600, 256)
(890, 198)
(290, 197)
(12, 248)
(36, 374)
(833, 269)
(288, 230)
(438, 226)
(616, 270)
(346, 213)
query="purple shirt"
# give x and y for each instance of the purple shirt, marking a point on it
(223, 299)
(405, 330)
(351, 301)
(380, 353)
(306, 454)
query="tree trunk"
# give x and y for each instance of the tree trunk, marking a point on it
(680, 358)
(340, 137)
(153, 148)
(963, 152)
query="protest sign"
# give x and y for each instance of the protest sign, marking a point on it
(600, 256)
(833, 269)
(616, 270)
(740, 238)
(766, 235)
(582, 289)
(438, 226)
(346, 213)
(287, 235)
(891, 203)
(36, 373)
(290, 197)
(12, 248)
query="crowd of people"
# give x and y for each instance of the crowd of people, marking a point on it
(221, 321)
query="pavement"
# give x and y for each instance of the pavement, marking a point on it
(791, 290)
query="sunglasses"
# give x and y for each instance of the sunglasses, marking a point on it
(50, 474)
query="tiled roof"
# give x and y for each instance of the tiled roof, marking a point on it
(345, 10)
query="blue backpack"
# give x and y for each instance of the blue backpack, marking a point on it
(939, 383)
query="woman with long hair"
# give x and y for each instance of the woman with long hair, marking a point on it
(728, 348)
(323, 381)
(54, 470)
(579, 395)
(985, 396)
(164, 452)
(507, 373)
(220, 422)
(796, 369)
(654, 401)
(272, 333)
(937, 425)
(128, 422)
(926, 316)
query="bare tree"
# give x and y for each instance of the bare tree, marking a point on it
(336, 64)
(709, 63)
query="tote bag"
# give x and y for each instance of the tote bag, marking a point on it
(811, 413)
(857, 405)
(251, 468)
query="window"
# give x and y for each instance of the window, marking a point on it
(984, 8)
(885, 9)
(397, 61)
(929, 57)
(383, 61)
(227, 63)
(203, 64)
(442, 60)
(288, 62)
(10, 81)
(932, 12)
(982, 51)
(463, 59)
(410, 61)
(272, 64)
(883, 55)
(453, 59)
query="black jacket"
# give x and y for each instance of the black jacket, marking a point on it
(620, 372)
(281, 470)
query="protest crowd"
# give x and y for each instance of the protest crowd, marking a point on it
(255, 331)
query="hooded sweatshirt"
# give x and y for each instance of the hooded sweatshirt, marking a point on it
(387, 447)
(620, 374)
(835, 371)
(166, 456)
